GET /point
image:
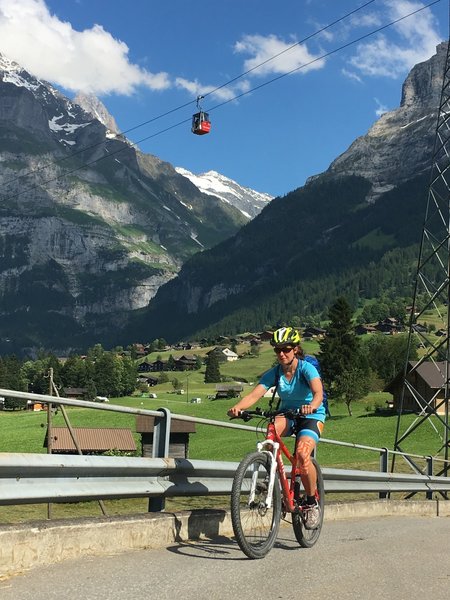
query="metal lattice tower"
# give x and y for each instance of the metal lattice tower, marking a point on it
(418, 407)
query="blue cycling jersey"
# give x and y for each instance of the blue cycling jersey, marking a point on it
(296, 392)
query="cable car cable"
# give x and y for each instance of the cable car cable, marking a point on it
(331, 52)
(308, 37)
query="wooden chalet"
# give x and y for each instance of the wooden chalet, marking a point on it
(148, 380)
(186, 362)
(75, 393)
(428, 379)
(364, 329)
(223, 354)
(232, 390)
(389, 325)
(313, 332)
(178, 440)
(266, 336)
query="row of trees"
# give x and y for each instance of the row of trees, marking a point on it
(350, 367)
(100, 372)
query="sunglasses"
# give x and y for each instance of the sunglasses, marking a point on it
(285, 350)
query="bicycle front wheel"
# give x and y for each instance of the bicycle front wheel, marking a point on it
(255, 525)
(308, 537)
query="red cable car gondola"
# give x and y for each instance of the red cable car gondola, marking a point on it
(200, 121)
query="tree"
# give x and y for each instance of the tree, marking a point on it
(161, 344)
(255, 350)
(13, 378)
(15, 404)
(387, 354)
(339, 349)
(351, 385)
(163, 377)
(344, 366)
(176, 384)
(171, 363)
(212, 372)
(129, 375)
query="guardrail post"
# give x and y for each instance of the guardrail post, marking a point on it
(430, 465)
(384, 465)
(161, 439)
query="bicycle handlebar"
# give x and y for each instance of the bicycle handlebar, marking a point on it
(247, 415)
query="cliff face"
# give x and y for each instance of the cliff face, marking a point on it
(400, 144)
(90, 227)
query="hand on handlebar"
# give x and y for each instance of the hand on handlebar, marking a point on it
(307, 409)
(233, 412)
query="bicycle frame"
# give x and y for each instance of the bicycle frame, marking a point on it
(274, 447)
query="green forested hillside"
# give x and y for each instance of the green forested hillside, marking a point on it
(296, 257)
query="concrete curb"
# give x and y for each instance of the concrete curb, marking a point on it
(31, 545)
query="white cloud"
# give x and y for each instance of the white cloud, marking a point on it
(415, 40)
(289, 56)
(91, 60)
(381, 108)
(196, 88)
(351, 75)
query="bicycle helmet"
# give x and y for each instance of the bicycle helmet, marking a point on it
(285, 336)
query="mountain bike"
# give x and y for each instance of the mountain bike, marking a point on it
(262, 493)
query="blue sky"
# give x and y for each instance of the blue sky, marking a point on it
(143, 58)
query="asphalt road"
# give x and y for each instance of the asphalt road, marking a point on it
(401, 558)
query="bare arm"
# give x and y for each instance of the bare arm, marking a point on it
(248, 400)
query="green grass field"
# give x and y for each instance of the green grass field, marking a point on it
(22, 431)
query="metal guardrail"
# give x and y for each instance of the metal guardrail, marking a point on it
(44, 478)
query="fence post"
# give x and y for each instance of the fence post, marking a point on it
(384, 462)
(430, 465)
(161, 438)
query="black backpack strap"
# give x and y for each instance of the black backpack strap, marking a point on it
(277, 379)
(301, 363)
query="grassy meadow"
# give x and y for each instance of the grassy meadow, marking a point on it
(370, 425)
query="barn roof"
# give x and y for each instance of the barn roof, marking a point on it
(432, 373)
(92, 439)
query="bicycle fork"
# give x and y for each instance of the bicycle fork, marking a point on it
(272, 453)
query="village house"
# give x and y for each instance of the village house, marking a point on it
(147, 380)
(186, 362)
(232, 390)
(364, 329)
(266, 336)
(313, 332)
(428, 380)
(223, 354)
(390, 325)
(75, 393)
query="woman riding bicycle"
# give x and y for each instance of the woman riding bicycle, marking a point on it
(300, 388)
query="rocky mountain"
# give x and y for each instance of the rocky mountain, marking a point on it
(352, 230)
(92, 105)
(90, 227)
(248, 201)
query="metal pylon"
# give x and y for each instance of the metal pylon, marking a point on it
(422, 406)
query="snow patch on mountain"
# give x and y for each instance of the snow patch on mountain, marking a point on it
(98, 110)
(248, 201)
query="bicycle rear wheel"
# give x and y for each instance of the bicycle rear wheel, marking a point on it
(308, 537)
(255, 525)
